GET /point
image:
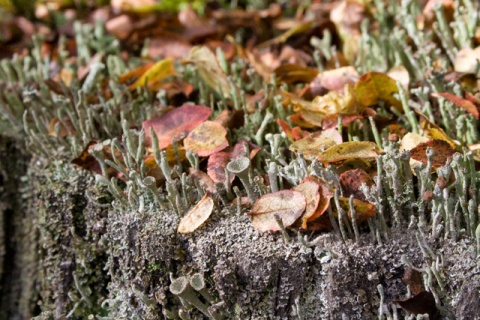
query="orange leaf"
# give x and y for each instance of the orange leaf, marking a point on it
(196, 216)
(442, 152)
(286, 128)
(331, 120)
(133, 75)
(465, 104)
(351, 180)
(175, 124)
(206, 139)
(309, 188)
(287, 205)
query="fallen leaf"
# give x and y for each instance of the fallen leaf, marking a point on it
(466, 60)
(335, 102)
(286, 128)
(175, 124)
(333, 80)
(298, 120)
(288, 205)
(421, 303)
(414, 280)
(465, 104)
(133, 75)
(216, 165)
(331, 120)
(313, 145)
(375, 86)
(196, 216)
(204, 180)
(292, 73)
(400, 74)
(159, 71)
(363, 210)
(352, 180)
(207, 138)
(350, 150)
(309, 187)
(434, 132)
(317, 194)
(299, 134)
(209, 69)
(442, 152)
(87, 161)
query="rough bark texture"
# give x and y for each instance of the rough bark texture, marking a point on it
(65, 253)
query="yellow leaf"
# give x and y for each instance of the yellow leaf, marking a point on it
(196, 216)
(375, 86)
(350, 150)
(159, 71)
(335, 102)
(206, 139)
(313, 145)
(209, 69)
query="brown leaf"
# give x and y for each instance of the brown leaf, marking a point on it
(287, 205)
(414, 280)
(196, 216)
(286, 128)
(317, 194)
(292, 73)
(86, 161)
(465, 104)
(351, 180)
(421, 303)
(442, 152)
(206, 139)
(175, 124)
(204, 180)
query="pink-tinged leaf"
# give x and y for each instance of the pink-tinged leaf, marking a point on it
(216, 165)
(204, 180)
(465, 104)
(176, 124)
(287, 205)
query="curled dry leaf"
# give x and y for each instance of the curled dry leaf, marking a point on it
(317, 194)
(465, 104)
(287, 205)
(176, 124)
(286, 128)
(352, 180)
(365, 150)
(313, 145)
(209, 69)
(196, 216)
(410, 141)
(309, 188)
(434, 132)
(375, 86)
(442, 151)
(206, 139)
(293, 73)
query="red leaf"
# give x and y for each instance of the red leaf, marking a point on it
(175, 124)
(465, 104)
(442, 152)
